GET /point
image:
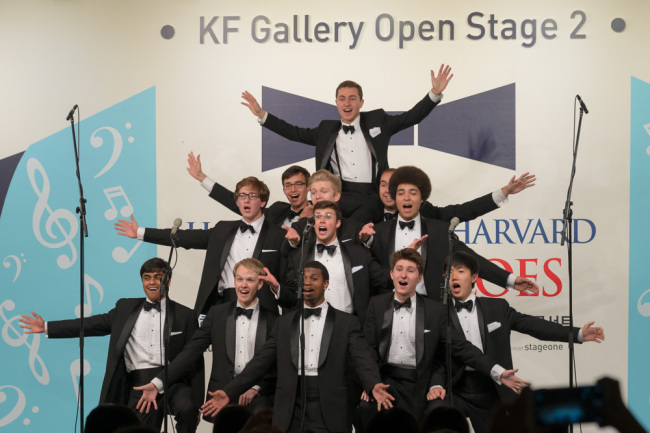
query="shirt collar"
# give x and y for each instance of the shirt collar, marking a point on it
(257, 224)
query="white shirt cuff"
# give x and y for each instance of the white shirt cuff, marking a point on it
(47, 336)
(159, 384)
(435, 98)
(510, 284)
(499, 198)
(496, 373)
(256, 388)
(581, 338)
(140, 233)
(262, 119)
(207, 184)
(277, 295)
(368, 243)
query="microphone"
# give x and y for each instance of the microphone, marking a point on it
(71, 113)
(582, 104)
(454, 222)
(177, 223)
(310, 224)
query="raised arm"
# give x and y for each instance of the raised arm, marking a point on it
(251, 103)
(439, 83)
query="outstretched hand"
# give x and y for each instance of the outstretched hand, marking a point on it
(292, 235)
(590, 333)
(519, 184)
(525, 285)
(382, 397)
(509, 379)
(252, 104)
(439, 83)
(218, 401)
(194, 168)
(417, 243)
(366, 232)
(149, 394)
(35, 325)
(127, 228)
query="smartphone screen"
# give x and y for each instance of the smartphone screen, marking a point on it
(565, 406)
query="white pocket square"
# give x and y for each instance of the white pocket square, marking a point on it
(346, 240)
(427, 330)
(374, 131)
(175, 333)
(356, 269)
(269, 251)
(494, 325)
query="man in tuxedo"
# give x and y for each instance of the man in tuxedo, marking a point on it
(464, 212)
(487, 324)
(355, 148)
(411, 187)
(236, 332)
(294, 186)
(407, 334)
(226, 244)
(354, 275)
(136, 350)
(332, 341)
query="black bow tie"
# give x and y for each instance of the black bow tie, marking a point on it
(349, 129)
(466, 305)
(308, 312)
(293, 214)
(239, 311)
(397, 304)
(243, 227)
(409, 224)
(389, 216)
(149, 305)
(329, 248)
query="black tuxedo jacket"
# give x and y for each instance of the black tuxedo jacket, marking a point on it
(464, 212)
(496, 314)
(341, 341)
(430, 324)
(217, 242)
(434, 252)
(218, 330)
(365, 277)
(118, 323)
(383, 127)
(276, 213)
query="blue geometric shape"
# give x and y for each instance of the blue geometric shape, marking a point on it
(277, 151)
(479, 127)
(7, 168)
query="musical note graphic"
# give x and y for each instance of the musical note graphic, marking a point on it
(16, 260)
(115, 192)
(20, 339)
(88, 308)
(55, 218)
(97, 141)
(74, 373)
(643, 308)
(647, 128)
(120, 255)
(18, 408)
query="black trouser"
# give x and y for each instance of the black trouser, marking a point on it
(360, 202)
(314, 421)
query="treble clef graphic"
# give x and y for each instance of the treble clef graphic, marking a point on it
(19, 339)
(55, 218)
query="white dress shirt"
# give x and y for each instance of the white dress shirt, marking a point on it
(338, 293)
(402, 339)
(313, 336)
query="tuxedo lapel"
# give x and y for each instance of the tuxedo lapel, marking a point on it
(481, 323)
(327, 336)
(329, 146)
(391, 237)
(230, 333)
(261, 238)
(169, 322)
(230, 237)
(347, 266)
(371, 146)
(260, 337)
(128, 327)
(454, 318)
(295, 335)
(386, 329)
(423, 250)
(419, 329)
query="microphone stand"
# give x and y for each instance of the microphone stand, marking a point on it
(301, 301)
(567, 234)
(446, 293)
(81, 210)
(164, 290)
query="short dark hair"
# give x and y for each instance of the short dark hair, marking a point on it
(414, 176)
(154, 265)
(318, 265)
(349, 83)
(294, 170)
(407, 254)
(444, 417)
(393, 420)
(327, 204)
(461, 258)
(256, 184)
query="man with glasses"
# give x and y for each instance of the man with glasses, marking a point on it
(294, 186)
(226, 244)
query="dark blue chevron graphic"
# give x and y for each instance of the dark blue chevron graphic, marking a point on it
(304, 112)
(7, 168)
(480, 127)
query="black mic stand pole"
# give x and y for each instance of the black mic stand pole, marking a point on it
(81, 210)
(446, 292)
(301, 301)
(164, 291)
(567, 216)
